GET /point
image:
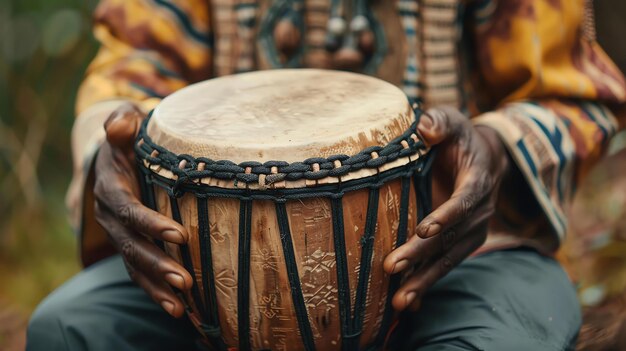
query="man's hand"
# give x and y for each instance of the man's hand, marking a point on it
(467, 171)
(130, 225)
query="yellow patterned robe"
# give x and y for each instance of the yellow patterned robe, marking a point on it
(530, 69)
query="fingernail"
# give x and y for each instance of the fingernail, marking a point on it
(400, 266)
(175, 280)
(408, 298)
(168, 306)
(173, 236)
(432, 230)
(426, 123)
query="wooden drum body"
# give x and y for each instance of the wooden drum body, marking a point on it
(324, 178)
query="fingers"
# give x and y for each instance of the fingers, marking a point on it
(116, 196)
(408, 254)
(438, 124)
(418, 251)
(144, 220)
(142, 254)
(471, 193)
(161, 294)
(151, 268)
(415, 286)
(134, 215)
(123, 125)
(467, 207)
(124, 218)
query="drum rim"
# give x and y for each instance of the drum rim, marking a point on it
(253, 175)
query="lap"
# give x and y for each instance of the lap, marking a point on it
(505, 300)
(102, 309)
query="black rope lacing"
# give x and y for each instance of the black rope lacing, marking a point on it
(394, 282)
(302, 317)
(211, 325)
(243, 274)
(185, 167)
(367, 247)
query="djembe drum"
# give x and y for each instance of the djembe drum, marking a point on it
(294, 185)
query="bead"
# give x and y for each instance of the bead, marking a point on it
(336, 26)
(359, 24)
(286, 36)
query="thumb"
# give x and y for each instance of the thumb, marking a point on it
(123, 125)
(434, 126)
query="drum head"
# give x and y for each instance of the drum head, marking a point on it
(287, 115)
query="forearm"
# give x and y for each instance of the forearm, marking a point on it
(552, 143)
(87, 136)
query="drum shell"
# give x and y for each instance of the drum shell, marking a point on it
(273, 321)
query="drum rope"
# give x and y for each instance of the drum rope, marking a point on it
(187, 262)
(367, 248)
(243, 274)
(341, 261)
(322, 191)
(147, 197)
(406, 145)
(422, 180)
(294, 278)
(212, 326)
(394, 280)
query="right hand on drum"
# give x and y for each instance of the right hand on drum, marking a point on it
(130, 225)
(467, 172)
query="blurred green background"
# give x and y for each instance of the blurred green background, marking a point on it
(45, 46)
(44, 49)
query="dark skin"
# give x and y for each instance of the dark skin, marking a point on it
(467, 172)
(470, 164)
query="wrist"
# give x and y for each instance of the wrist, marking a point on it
(516, 204)
(501, 162)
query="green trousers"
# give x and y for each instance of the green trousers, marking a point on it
(506, 300)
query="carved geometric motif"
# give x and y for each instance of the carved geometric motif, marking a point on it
(269, 306)
(232, 319)
(392, 202)
(324, 297)
(216, 236)
(224, 282)
(280, 337)
(266, 258)
(319, 261)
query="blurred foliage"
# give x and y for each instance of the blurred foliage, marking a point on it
(44, 49)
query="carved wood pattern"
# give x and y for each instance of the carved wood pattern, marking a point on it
(272, 316)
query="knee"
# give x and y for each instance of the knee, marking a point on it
(59, 323)
(45, 328)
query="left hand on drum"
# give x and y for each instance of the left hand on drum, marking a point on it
(470, 164)
(130, 225)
